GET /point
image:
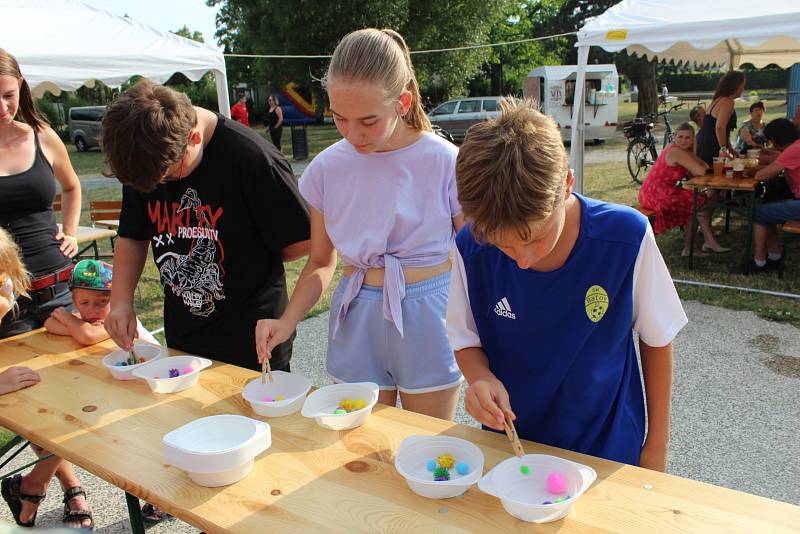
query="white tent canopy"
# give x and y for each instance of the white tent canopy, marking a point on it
(64, 44)
(728, 32)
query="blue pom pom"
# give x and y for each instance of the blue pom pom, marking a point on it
(431, 465)
(462, 468)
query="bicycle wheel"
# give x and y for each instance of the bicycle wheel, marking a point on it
(638, 162)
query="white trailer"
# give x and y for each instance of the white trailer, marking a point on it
(554, 89)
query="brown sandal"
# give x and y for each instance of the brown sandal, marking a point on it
(71, 515)
(13, 496)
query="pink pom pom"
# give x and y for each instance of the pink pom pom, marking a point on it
(556, 483)
(188, 370)
(267, 398)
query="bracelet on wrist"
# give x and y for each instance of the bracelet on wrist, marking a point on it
(71, 238)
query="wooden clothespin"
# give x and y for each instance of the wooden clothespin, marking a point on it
(511, 432)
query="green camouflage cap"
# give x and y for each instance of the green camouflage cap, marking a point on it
(92, 274)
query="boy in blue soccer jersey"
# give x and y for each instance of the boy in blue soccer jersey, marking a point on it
(547, 289)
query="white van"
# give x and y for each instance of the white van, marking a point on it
(554, 89)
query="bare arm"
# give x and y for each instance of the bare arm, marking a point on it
(687, 160)
(279, 114)
(770, 171)
(459, 222)
(295, 251)
(81, 331)
(486, 398)
(129, 258)
(317, 273)
(57, 154)
(744, 133)
(54, 326)
(657, 374)
(725, 110)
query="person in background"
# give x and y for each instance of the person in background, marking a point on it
(32, 159)
(696, 117)
(664, 94)
(91, 296)
(239, 110)
(751, 134)
(275, 121)
(720, 119)
(784, 204)
(673, 204)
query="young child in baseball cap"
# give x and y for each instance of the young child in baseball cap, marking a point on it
(91, 296)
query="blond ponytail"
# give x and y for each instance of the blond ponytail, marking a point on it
(379, 56)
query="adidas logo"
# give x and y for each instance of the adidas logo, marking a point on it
(503, 309)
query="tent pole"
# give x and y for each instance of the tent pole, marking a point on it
(576, 140)
(223, 101)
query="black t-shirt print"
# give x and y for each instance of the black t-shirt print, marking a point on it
(216, 237)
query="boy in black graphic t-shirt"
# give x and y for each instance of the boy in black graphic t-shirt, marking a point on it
(219, 207)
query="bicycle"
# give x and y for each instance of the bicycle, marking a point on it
(642, 143)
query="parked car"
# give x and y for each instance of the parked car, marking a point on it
(85, 125)
(456, 116)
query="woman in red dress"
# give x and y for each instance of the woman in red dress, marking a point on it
(673, 204)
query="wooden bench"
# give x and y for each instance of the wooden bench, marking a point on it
(650, 214)
(791, 232)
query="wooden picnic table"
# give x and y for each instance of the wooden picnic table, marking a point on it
(739, 196)
(91, 235)
(313, 479)
(111, 224)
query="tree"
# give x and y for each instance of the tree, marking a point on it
(203, 92)
(310, 27)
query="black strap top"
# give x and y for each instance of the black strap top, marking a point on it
(26, 212)
(707, 144)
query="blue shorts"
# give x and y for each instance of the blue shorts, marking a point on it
(777, 212)
(368, 348)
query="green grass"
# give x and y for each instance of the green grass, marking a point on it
(86, 163)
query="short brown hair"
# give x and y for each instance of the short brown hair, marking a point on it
(145, 132)
(511, 170)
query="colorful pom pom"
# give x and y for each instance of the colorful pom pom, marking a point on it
(340, 411)
(446, 460)
(462, 468)
(547, 502)
(525, 470)
(119, 364)
(173, 373)
(556, 483)
(142, 360)
(188, 370)
(267, 398)
(280, 398)
(359, 403)
(430, 465)
(560, 499)
(346, 405)
(440, 474)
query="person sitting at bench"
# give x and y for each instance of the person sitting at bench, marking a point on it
(671, 203)
(782, 198)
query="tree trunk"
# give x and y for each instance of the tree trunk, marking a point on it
(496, 79)
(643, 74)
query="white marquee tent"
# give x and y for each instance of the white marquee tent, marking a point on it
(728, 32)
(64, 44)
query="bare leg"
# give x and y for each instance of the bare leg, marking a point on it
(441, 404)
(41, 475)
(704, 220)
(760, 242)
(772, 240)
(388, 397)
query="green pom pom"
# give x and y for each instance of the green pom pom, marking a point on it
(525, 470)
(339, 411)
(441, 473)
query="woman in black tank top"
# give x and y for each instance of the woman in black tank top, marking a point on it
(27, 191)
(712, 137)
(275, 121)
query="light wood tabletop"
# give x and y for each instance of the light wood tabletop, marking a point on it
(87, 234)
(314, 480)
(721, 182)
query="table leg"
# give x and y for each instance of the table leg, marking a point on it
(748, 240)
(134, 513)
(693, 229)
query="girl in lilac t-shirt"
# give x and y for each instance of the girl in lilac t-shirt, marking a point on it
(385, 198)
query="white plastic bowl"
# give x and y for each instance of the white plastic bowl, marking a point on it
(292, 387)
(160, 369)
(522, 495)
(217, 450)
(321, 404)
(143, 350)
(412, 457)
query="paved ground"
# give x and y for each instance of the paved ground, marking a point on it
(735, 411)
